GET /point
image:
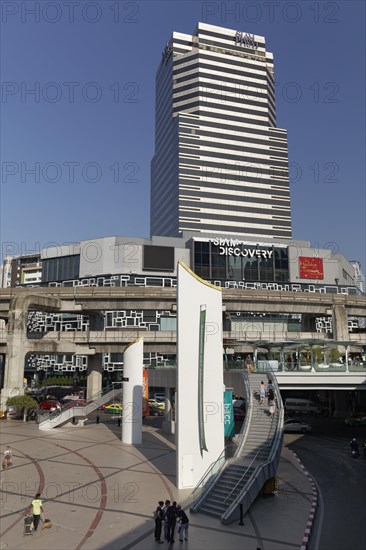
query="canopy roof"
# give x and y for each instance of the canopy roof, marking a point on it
(303, 344)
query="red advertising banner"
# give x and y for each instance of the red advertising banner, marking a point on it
(145, 393)
(311, 268)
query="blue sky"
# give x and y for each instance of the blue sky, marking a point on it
(88, 130)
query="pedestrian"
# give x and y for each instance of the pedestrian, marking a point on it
(36, 508)
(272, 408)
(158, 516)
(171, 515)
(270, 391)
(165, 519)
(262, 393)
(7, 458)
(184, 523)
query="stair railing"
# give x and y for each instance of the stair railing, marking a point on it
(241, 438)
(116, 389)
(245, 472)
(275, 449)
(209, 477)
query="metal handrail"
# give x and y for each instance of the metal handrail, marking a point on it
(209, 469)
(209, 473)
(240, 439)
(250, 465)
(43, 417)
(248, 416)
(277, 435)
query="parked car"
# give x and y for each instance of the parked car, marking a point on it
(50, 405)
(159, 396)
(12, 412)
(355, 421)
(112, 408)
(302, 406)
(155, 411)
(296, 425)
(158, 404)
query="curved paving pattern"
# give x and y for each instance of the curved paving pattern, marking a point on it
(100, 494)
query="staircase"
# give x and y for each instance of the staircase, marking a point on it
(47, 421)
(241, 478)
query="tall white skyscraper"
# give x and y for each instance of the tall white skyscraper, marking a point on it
(220, 163)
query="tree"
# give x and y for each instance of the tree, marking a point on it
(318, 355)
(334, 355)
(22, 403)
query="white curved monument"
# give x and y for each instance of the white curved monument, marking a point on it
(132, 393)
(199, 409)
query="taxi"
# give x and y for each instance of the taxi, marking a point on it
(157, 404)
(112, 408)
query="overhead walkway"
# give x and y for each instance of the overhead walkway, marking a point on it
(48, 421)
(231, 482)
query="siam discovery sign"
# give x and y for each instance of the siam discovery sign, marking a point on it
(311, 268)
(233, 247)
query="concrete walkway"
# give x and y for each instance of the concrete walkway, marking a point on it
(100, 494)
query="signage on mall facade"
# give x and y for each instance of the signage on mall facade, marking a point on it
(234, 247)
(311, 268)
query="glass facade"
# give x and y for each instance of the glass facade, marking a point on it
(240, 262)
(60, 269)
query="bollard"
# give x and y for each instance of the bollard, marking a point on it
(241, 522)
(98, 419)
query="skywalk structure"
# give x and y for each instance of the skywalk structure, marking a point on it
(220, 163)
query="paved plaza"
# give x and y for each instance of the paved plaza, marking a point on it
(100, 494)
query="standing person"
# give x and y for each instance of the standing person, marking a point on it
(36, 508)
(7, 458)
(262, 393)
(248, 363)
(158, 516)
(171, 515)
(184, 523)
(165, 519)
(272, 408)
(270, 392)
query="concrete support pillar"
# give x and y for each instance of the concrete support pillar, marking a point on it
(168, 425)
(340, 323)
(2, 369)
(308, 322)
(346, 357)
(96, 321)
(341, 403)
(94, 376)
(132, 393)
(282, 359)
(17, 348)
